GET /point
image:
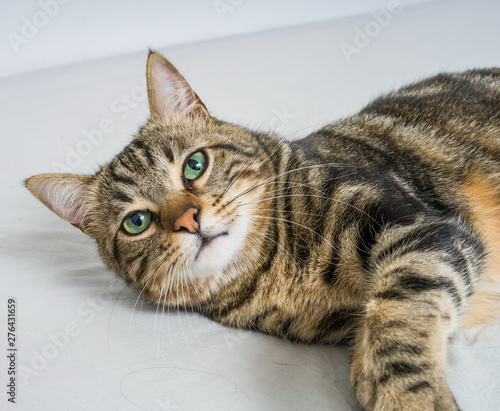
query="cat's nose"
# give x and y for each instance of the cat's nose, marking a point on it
(188, 221)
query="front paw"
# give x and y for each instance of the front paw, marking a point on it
(419, 396)
(396, 391)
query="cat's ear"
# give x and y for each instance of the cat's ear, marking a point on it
(168, 91)
(67, 195)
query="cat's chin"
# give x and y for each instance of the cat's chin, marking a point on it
(213, 256)
(217, 247)
(215, 253)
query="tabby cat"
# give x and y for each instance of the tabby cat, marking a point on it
(378, 231)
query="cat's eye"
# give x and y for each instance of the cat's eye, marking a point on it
(137, 222)
(195, 166)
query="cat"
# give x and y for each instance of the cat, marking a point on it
(378, 231)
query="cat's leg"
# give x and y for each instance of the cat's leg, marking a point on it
(420, 284)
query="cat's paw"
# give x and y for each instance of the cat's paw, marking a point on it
(430, 399)
(421, 395)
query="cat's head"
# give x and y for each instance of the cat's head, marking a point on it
(182, 209)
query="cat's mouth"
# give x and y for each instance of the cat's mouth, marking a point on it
(206, 241)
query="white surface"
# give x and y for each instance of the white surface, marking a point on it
(44, 33)
(120, 354)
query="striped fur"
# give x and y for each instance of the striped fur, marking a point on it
(378, 231)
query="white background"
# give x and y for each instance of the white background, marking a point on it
(83, 30)
(80, 70)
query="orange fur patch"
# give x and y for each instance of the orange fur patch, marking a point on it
(484, 202)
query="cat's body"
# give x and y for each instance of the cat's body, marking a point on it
(378, 230)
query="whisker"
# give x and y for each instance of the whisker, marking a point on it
(192, 279)
(165, 289)
(313, 195)
(283, 211)
(140, 293)
(284, 173)
(279, 245)
(179, 282)
(287, 184)
(287, 136)
(197, 287)
(111, 313)
(303, 226)
(135, 305)
(169, 278)
(245, 169)
(157, 332)
(272, 179)
(185, 283)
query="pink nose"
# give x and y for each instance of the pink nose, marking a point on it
(188, 221)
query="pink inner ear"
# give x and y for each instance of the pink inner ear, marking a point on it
(169, 91)
(70, 214)
(63, 194)
(172, 93)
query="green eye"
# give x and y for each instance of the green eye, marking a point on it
(195, 166)
(138, 222)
